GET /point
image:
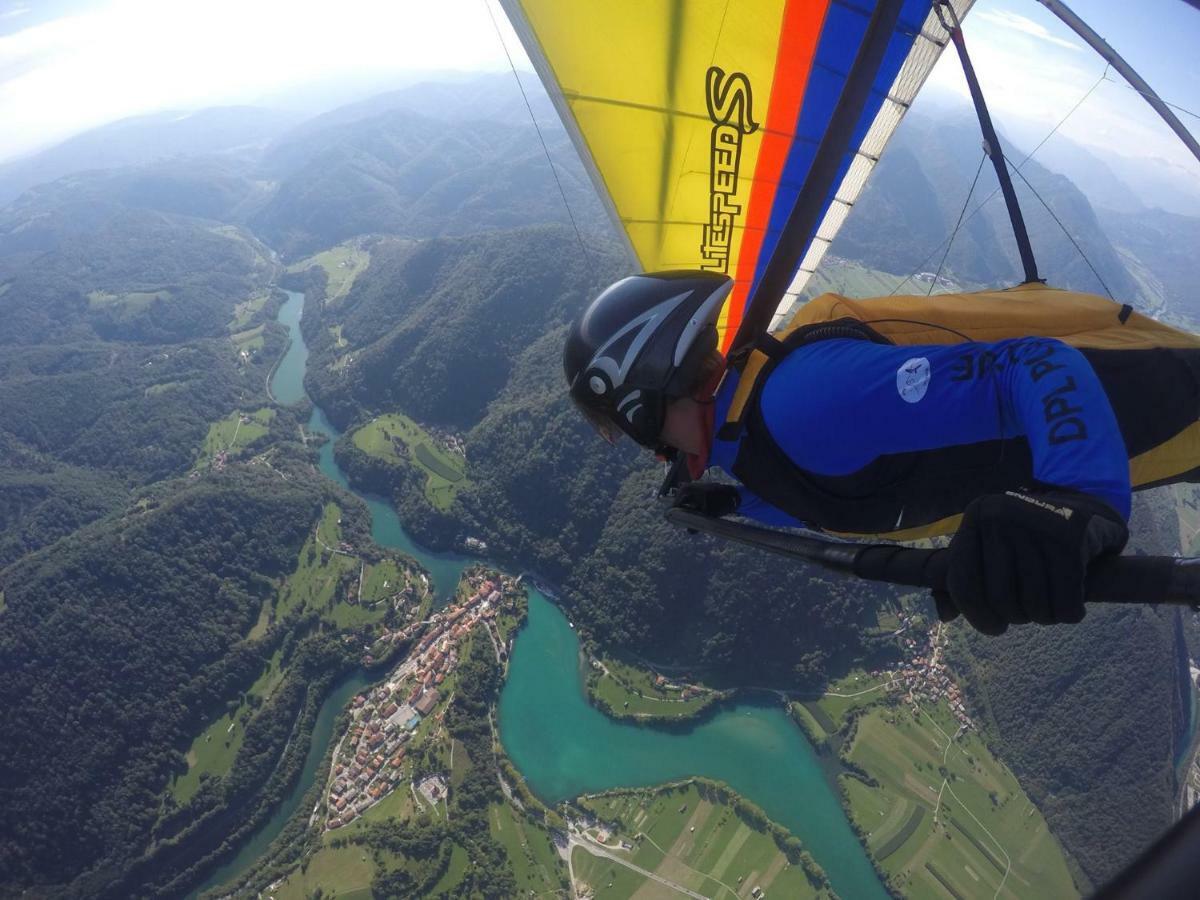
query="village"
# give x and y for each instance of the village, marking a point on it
(368, 761)
(923, 676)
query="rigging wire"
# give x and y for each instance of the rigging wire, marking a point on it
(966, 202)
(1064, 230)
(1174, 106)
(924, 262)
(541, 138)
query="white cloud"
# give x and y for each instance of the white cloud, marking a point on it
(14, 12)
(1006, 19)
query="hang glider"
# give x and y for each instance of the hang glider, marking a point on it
(701, 122)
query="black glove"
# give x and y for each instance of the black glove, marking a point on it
(709, 498)
(1021, 557)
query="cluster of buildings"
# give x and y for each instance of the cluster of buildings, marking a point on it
(368, 761)
(923, 677)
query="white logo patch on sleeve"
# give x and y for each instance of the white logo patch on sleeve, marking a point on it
(912, 379)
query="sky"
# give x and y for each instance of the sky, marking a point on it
(1034, 70)
(70, 65)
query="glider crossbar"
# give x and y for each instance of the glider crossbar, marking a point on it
(1122, 579)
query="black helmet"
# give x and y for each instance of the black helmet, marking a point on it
(640, 344)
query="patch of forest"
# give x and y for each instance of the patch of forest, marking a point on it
(115, 648)
(1088, 718)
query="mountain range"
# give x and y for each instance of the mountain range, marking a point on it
(138, 274)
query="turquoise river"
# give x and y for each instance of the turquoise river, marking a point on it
(564, 746)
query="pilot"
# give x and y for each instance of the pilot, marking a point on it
(1020, 447)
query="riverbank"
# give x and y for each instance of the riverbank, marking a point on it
(752, 746)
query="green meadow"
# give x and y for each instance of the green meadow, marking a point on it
(234, 432)
(342, 265)
(341, 872)
(214, 749)
(631, 691)
(245, 312)
(444, 472)
(536, 863)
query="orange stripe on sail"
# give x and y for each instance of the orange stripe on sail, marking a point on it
(802, 24)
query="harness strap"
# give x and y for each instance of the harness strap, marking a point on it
(769, 350)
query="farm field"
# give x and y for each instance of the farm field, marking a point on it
(444, 471)
(342, 264)
(701, 844)
(946, 816)
(234, 432)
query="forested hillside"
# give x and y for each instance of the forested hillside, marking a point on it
(912, 203)
(115, 646)
(144, 587)
(404, 174)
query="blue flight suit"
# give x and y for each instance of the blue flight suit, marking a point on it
(927, 428)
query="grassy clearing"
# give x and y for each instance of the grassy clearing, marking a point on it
(248, 341)
(948, 819)
(213, 751)
(342, 264)
(134, 301)
(327, 579)
(855, 690)
(459, 861)
(841, 276)
(634, 691)
(624, 701)
(320, 571)
(232, 433)
(164, 387)
(344, 872)
(245, 312)
(702, 845)
(397, 439)
(536, 864)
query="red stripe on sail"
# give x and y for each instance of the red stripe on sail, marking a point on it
(802, 24)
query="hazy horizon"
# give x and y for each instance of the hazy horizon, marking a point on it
(70, 67)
